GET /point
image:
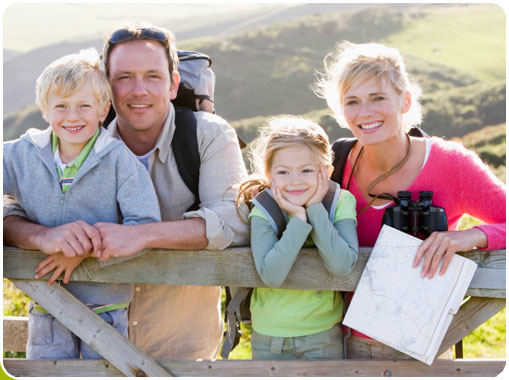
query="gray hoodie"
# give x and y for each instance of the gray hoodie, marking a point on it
(111, 186)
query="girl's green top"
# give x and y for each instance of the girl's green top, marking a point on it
(292, 313)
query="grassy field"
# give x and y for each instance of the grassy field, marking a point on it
(459, 37)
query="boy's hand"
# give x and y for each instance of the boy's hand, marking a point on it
(290, 208)
(58, 263)
(321, 188)
(119, 240)
(72, 239)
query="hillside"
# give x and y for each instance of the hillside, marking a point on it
(490, 144)
(186, 21)
(268, 70)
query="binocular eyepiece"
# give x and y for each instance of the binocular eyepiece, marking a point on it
(415, 217)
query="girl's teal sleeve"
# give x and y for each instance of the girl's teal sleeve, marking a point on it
(275, 257)
(337, 243)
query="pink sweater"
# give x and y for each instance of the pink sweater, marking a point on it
(461, 184)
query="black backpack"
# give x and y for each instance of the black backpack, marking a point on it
(238, 301)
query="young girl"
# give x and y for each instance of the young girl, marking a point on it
(293, 158)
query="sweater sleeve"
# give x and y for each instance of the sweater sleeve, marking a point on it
(136, 195)
(337, 243)
(483, 196)
(275, 257)
(12, 205)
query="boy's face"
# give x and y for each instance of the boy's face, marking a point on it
(75, 118)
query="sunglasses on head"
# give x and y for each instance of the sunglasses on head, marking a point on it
(126, 35)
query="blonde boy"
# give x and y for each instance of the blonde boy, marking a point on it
(74, 175)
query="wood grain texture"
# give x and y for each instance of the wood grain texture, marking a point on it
(247, 368)
(91, 328)
(232, 267)
(472, 313)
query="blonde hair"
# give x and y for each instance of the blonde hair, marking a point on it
(69, 73)
(281, 133)
(365, 61)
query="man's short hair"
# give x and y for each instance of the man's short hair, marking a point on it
(136, 31)
(69, 73)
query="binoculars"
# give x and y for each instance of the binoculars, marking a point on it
(415, 217)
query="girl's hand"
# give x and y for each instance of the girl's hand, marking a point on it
(441, 246)
(58, 263)
(290, 208)
(321, 188)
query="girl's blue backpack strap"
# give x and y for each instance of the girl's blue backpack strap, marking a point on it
(268, 205)
(331, 199)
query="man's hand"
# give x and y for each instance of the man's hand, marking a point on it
(72, 239)
(119, 240)
(58, 263)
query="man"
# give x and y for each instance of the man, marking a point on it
(165, 321)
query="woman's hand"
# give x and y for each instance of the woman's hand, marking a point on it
(59, 263)
(321, 188)
(441, 246)
(290, 208)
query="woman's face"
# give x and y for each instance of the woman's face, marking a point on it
(374, 111)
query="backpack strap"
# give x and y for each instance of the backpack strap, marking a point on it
(234, 316)
(278, 218)
(341, 149)
(417, 132)
(330, 200)
(185, 149)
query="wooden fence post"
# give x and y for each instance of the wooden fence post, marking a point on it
(92, 329)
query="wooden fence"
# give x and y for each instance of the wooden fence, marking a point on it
(231, 267)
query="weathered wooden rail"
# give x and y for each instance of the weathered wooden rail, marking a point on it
(231, 267)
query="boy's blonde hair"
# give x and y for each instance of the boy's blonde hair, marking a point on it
(365, 61)
(280, 133)
(68, 74)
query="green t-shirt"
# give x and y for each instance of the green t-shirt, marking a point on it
(71, 169)
(291, 313)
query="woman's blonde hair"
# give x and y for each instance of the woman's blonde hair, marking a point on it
(365, 61)
(69, 73)
(280, 133)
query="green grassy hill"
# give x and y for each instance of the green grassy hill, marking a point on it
(469, 38)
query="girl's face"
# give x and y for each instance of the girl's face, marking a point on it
(295, 172)
(374, 112)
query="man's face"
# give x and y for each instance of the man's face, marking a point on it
(141, 84)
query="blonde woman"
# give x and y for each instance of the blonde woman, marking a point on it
(368, 89)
